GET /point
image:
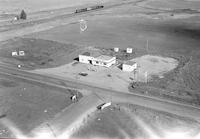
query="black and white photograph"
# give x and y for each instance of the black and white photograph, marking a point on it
(99, 69)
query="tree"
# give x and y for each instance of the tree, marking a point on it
(23, 15)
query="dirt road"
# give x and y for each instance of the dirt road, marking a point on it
(71, 118)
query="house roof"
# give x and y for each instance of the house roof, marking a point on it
(130, 63)
(86, 54)
(104, 57)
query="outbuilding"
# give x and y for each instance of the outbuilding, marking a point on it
(129, 66)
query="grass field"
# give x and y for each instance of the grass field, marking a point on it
(173, 4)
(130, 121)
(24, 106)
(38, 53)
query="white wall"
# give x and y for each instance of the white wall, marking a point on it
(129, 68)
(84, 59)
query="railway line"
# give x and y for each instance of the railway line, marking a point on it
(176, 108)
(28, 23)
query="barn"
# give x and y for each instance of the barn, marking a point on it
(129, 66)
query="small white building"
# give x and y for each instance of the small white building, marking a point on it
(129, 50)
(14, 53)
(21, 53)
(116, 49)
(102, 60)
(129, 66)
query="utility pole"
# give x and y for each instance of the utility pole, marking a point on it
(147, 46)
(146, 76)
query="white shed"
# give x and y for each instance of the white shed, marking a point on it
(129, 50)
(129, 66)
(116, 49)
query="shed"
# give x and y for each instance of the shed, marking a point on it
(116, 49)
(129, 66)
(129, 50)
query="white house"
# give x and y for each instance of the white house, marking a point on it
(102, 60)
(129, 66)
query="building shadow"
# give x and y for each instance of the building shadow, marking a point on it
(76, 59)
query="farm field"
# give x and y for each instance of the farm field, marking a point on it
(172, 4)
(131, 121)
(39, 53)
(24, 105)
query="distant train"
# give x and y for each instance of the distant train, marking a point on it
(89, 9)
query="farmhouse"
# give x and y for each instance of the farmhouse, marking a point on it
(129, 66)
(104, 60)
(100, 60)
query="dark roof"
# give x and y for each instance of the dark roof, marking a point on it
(104, 57)
(86, 54)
